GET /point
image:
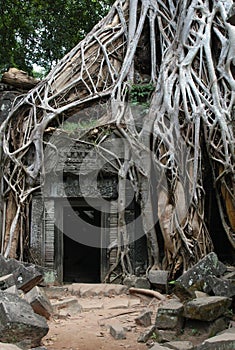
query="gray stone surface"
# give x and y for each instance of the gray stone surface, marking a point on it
(64, 303)
(142, 282)
(184, 293)
(169, 315)
(221, 287)
(7, 281)
(225, 341)
(209, 265)
(145, 336)
(18, 322)
(207, 309)
(137, 282)
(27, 278)
(166, 335)
(7, 346)
(158, 347)
(180, 345)
(158, 277)
(91, 289)
(117, 331)
(3, 266)
(144, 319)
(13, 290)
(39, 302)
(205, 328)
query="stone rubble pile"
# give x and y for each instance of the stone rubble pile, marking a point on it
(202, 304)
(24, 307)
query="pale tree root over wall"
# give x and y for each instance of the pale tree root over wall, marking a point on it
(185, 51)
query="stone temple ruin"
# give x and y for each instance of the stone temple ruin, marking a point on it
(53, 225)
(55, 209)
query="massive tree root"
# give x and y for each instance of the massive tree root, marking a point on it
(182, 53)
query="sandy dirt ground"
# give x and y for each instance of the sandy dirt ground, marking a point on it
(90, 329)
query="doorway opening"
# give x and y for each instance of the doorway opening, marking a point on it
(81, 263)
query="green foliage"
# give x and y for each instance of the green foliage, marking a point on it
(41, 32)
(141, 94)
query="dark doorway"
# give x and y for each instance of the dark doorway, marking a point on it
(81, 262)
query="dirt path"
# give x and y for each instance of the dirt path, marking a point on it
(90, 328)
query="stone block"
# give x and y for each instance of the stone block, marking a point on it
(3, 266)
(26, 278)
(136, 282)
(5, 346)
(209, 265)
(39, 302)
(221, 287)
(169, 315)
(183, 293)
(142, 282)
(144, 319)
(180, 345)
(145, 336)
(64, 303)
(166, 335)
(205, 328)
(158, 277)
(225, 341)
(207, 309)
(13, 290)
(18, 322)
(158, 347)
(129, 281)
(117, 331)
(39, 348)
(7, 281)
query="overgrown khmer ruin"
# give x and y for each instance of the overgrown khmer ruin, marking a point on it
(132, 133)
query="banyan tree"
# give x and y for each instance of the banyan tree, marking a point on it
(160, 75)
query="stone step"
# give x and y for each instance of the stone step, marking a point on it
(84, 290)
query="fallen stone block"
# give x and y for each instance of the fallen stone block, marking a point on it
(142, 282)
(88, 305)
(205, 328)
(209, 265)
(56, 292)
(221, 287)
(165, 335)
(145, 336)
(225, 341)
(144, 319)
(26, 278)
(5, 346)
(64, 303)
(184, 294)
(230, 275)
(18, 322)
(13, 290)
(207, 309)
(158, 278)
(158, 347)
(136, 282)
(180, 345)
(39, 348)
(169, 315)
(117, 331)
(39, 302)
(3, 266)
(7, 281)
